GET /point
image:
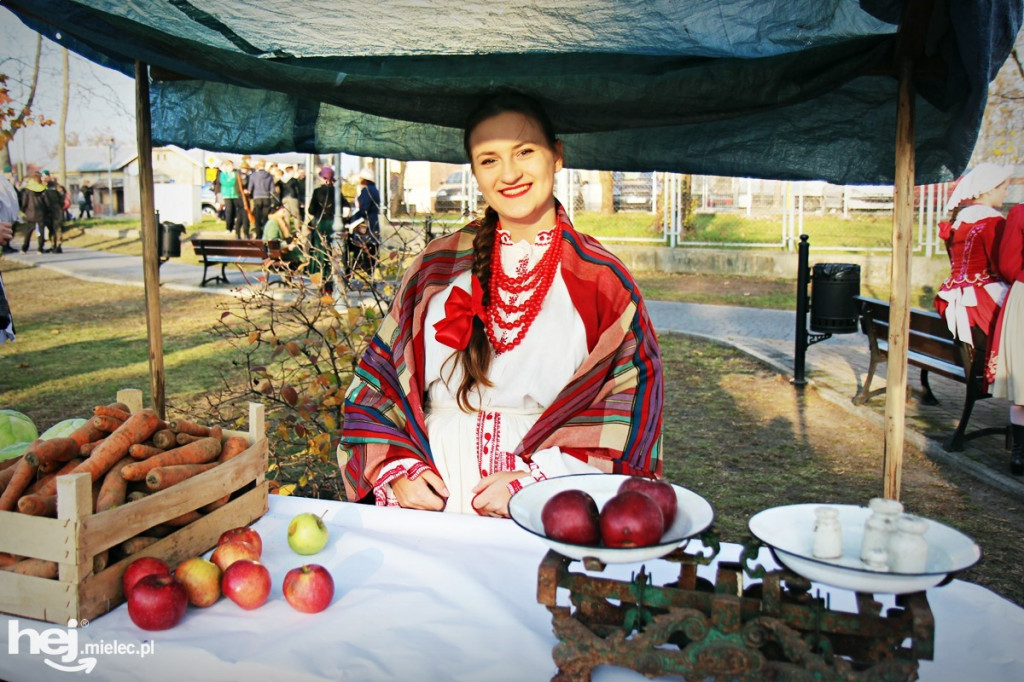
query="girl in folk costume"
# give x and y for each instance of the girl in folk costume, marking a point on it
(1009, 336)
(516, 348)
(974, 291)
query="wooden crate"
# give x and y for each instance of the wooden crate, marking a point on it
(77, 535)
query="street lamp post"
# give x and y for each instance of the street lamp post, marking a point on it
(110, 177)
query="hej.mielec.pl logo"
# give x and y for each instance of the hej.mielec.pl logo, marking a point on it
(62, 644)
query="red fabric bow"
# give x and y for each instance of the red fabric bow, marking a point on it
(945, 230)
(460, 308)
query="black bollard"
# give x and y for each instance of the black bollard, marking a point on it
(803, 274)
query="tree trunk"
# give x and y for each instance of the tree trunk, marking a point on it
(27, 109)
(398, 191)
(62, 168)
(686, 204)
(607, 192)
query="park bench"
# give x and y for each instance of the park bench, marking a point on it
(226, 252)
(933, 349)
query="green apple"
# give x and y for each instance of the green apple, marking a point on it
(307, 533)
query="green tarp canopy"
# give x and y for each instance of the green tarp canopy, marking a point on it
(764, 88)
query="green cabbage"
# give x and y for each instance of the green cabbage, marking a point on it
(16, 432)
(62, 429)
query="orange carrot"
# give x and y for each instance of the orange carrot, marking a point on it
(86, 433)
(54, 450)
(49, 467)
(184, 519)
(114, 488)
(47, 485)
(164, 477)
(216, 504)
(138, 428)
(217, 432)
(105, 423)
(7, 474)
(165, 439)
(87, 448)
(38, 505)
(39, 568)
(6, 559)
(186, 438)
(191, 428)
(161, 531)
(111, 411)
(202, 451)
(142, 451)
(22, 479)
(100, 561)
(136, 544)
(233, 447)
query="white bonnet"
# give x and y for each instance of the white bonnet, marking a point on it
(984, 177)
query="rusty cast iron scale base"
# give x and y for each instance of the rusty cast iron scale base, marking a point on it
(771, 630)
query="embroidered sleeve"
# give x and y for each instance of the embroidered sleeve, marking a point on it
(391, 471)
(551, 463)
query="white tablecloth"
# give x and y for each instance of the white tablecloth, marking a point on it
(427, 596)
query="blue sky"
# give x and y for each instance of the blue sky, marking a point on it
(101, 100)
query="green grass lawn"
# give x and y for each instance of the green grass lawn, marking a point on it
(824, 231)
(858, 232)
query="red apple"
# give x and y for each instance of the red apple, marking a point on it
(309, 588)
(157, 602)
(572, 516)
(230, 552)
(660, 491)
(631, 519)
(202, 580)
(140, 568)
(247, 583)
(244, 533)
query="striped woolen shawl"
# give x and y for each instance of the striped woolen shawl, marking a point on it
(609, 414)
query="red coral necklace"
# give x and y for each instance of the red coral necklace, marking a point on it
(516, 300)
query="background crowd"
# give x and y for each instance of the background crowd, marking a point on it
(268, 201)
(43, 209)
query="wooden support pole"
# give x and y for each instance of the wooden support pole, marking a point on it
(150, 252)
(899, 294)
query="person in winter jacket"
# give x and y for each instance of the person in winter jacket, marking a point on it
(33, 205)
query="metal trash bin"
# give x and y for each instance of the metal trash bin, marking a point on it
(833, 307)
(170, 239)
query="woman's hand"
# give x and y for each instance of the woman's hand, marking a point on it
(426, 491)
(492, 493)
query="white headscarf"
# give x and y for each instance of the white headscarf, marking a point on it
(984, 177)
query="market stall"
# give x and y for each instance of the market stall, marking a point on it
(859, 91)
(424, 596)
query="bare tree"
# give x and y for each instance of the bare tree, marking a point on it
(1000, 138)
(12, 120)
(62, 166)
(607, 192)
(398, 191)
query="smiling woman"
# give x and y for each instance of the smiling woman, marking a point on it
(516, 350)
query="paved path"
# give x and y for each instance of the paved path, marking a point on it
(835, 367)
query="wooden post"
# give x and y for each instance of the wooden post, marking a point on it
(899, 295)
(150, 253)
